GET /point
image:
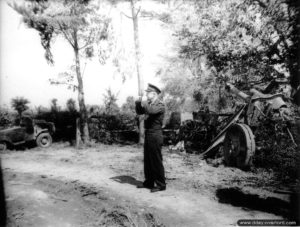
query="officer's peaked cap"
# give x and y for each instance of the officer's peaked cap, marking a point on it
(151, 88)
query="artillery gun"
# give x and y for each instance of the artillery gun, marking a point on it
(236, 132)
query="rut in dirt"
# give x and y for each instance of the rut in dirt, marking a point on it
(41, 201)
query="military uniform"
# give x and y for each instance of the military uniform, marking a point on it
(153, 161)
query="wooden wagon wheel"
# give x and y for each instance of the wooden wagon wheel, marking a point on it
(189, 130)
(239, 146)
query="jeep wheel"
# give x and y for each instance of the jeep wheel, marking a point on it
(3, 146)
(44, 140)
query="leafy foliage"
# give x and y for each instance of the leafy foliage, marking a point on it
(76, 21)
(66, 78)
(6, 117)
(129, 106)
(275, 149)
(284, 18)
(115, 124)
(110, 128)
(110, 104)
(248, 43)
(20, 104)
(242, 40)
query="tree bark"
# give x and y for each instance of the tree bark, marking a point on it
(138, 65)
(82, 108)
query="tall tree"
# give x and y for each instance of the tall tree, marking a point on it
(134, 16)
(20, 104)
(135, 13)
(82, 27)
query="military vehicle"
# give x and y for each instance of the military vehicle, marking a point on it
(27, 130)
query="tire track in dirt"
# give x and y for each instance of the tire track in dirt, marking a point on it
(176, 208)
(38, 201)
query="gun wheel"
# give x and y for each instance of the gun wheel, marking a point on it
(239, 146)
(3, 146)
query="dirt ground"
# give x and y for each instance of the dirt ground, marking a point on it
(96, 186)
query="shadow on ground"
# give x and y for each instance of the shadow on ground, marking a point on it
(236, 197)
(126, 180)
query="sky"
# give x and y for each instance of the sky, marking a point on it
(25, 72)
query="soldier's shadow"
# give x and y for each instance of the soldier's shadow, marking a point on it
(127, 180)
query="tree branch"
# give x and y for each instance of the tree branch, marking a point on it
(55, 82)
(126, 15)
(84, 46)
(88, 42)
(65, 35)
(137, 13)
(82, 74)
(74, 34)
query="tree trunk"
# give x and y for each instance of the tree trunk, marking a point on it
(78, 138)
(138, 65)
(82, 108)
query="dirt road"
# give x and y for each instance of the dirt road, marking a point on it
(61, 186)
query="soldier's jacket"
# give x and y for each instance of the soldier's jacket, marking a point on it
(154, 113)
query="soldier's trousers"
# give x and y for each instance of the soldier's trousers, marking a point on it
(153, 161)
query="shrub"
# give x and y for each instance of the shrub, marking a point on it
(121, 127)
(275, 149)
(64, 121)
(6, 118)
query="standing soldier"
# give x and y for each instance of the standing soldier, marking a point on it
(154, 110)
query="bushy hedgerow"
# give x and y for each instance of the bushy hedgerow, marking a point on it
(121, 127)
(64, 121)
(6, 118)
(276, 149)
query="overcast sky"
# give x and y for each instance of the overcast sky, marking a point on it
(25, 72)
